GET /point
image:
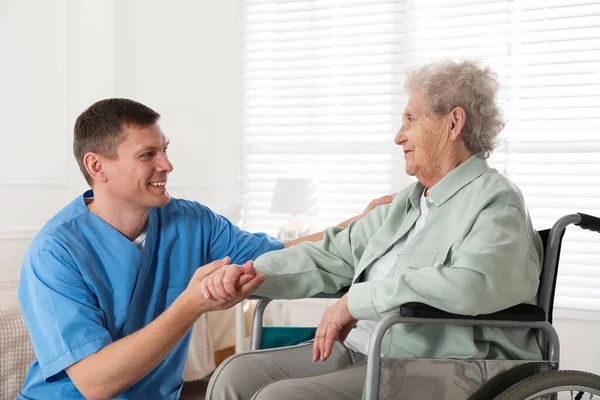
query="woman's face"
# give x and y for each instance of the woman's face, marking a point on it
(424, 137)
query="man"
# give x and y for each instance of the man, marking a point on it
(110, 287)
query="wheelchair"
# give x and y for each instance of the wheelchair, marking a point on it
(478, 379)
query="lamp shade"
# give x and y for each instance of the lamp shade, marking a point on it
(294, 196)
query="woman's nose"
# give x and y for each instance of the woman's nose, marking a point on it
(400, 137)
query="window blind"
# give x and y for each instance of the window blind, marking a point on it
(553, 137)
(323, 98)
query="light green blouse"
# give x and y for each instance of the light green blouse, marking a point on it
(477, 253)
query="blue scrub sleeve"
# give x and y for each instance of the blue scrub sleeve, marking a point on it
(61, 313)
(227, 239)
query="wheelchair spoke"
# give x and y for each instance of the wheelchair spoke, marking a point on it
(565, 394)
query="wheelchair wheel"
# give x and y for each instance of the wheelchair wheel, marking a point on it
(555, 385)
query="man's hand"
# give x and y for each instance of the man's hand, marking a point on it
(220, 285)
(337, 322)
(377, 202)
(374, 203)
(315, 237)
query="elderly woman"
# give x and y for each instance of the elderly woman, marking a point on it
(460, 239)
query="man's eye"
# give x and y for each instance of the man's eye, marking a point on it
(165, 150)
(148, 154)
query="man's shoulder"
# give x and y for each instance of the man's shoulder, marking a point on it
(51, 243)
(61, 223)
(188, 215)
(183, 208)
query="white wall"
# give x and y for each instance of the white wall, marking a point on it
(37, 91)
(183, 59)
(58, 57)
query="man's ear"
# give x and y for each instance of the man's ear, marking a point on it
(458, 117)
(93, 165)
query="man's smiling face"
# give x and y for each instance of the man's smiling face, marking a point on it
(138, 176)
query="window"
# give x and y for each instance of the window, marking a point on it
(324, 96)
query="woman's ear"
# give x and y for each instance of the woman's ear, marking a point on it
(457, 122)
(93, 165)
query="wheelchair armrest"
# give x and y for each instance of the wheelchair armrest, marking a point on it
(521, 312)
(257, 318)
(335, 295)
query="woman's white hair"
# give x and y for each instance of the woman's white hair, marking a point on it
(447, 85)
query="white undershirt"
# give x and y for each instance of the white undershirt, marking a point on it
(359, 337)
(140, 241)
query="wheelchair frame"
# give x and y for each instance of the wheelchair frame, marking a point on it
(521, 316)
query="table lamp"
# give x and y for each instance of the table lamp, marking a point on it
(298, 197)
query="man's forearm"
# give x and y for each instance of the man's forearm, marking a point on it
(319, 236)
(123, 363)
(316, 237)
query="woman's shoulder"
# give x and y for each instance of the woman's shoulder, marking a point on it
(498, 188)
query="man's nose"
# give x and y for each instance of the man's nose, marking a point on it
(165, 164)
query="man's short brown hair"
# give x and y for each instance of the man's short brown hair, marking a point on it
(101, 128)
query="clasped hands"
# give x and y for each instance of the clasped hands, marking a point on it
(220, 285)
(230, 280)
(231, 283)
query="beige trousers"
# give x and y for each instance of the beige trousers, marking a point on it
(289, 373)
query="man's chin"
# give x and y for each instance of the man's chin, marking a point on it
(165, 200)
(160, 201)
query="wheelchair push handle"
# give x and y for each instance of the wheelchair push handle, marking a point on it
(589, 222)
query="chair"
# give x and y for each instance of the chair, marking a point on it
(519, 379)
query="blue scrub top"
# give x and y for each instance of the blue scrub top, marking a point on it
(84, 285)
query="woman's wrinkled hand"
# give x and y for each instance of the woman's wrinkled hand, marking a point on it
(337, 322)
